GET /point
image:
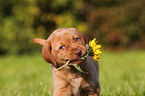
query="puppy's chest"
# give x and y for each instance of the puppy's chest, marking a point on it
(78, 80)
(81, 86)
(75, 83)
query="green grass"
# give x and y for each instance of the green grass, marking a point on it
(121, 74)
(25, 76)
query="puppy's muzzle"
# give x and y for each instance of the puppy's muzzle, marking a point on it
(78, 53)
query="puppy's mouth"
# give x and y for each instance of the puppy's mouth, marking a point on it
(78, 60)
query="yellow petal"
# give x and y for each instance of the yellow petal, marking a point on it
(93, 42)
(96, 46)
(96, 58)
(97, 51)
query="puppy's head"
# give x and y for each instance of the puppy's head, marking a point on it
(62, 45)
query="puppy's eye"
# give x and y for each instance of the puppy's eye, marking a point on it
(62, 47)
(76, 39)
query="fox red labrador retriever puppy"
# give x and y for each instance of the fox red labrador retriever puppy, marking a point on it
(68, 44)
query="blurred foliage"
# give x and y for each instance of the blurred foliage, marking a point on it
(116, 23)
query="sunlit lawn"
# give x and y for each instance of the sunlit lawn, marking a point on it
(121, 74)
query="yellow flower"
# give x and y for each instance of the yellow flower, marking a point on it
(96, 49)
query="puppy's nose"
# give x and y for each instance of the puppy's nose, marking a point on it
(78, 52)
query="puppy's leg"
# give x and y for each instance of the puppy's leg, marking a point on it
(59, 93)
(93, 95)
(64, 89)
(96, 94)
(63, 92)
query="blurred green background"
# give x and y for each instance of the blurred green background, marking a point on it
(118, 25)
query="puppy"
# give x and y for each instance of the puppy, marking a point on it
(68, 44)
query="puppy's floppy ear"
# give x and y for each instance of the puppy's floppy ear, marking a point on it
(46, 53)
(81, 36)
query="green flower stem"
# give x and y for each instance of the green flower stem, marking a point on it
(62, 66)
